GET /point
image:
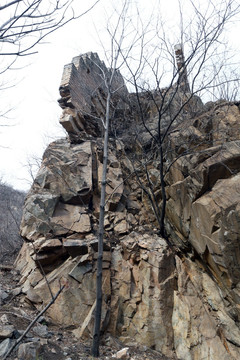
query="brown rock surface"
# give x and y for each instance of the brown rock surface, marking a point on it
(200, 322)
(204, 197)
(181, 301)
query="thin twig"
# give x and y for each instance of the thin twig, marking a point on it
(33, 322)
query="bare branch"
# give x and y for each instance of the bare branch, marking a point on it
(33, 322)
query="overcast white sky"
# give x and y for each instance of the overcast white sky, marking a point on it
(35, 114)
(34, 97)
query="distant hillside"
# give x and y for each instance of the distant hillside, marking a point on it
(11, 203)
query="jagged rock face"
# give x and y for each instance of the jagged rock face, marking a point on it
(65, 177)
(201, 326)
(141, 291)
(64, 200)
(204, 194)
(184, 305)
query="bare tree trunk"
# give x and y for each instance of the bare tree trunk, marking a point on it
(163, 189)
(98, 311)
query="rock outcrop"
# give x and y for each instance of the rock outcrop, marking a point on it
(181, 300)
(84, 94)
(204, 194)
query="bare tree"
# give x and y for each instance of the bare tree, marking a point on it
(199, 72)
(141, 48)
(111, 86)
(24, 24)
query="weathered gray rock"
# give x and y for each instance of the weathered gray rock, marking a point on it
(3, 295)
(122, 354)
(16, 291)
(5, 346)
(84, 266)
(29, 351)
(33, 296)
(6, 331)
(4, 319)
(41, 330)
(75, 247)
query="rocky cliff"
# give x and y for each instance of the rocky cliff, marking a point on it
(181, 300)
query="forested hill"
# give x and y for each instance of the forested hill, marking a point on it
(11, 203)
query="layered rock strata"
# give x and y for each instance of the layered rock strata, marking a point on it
(182, 303)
